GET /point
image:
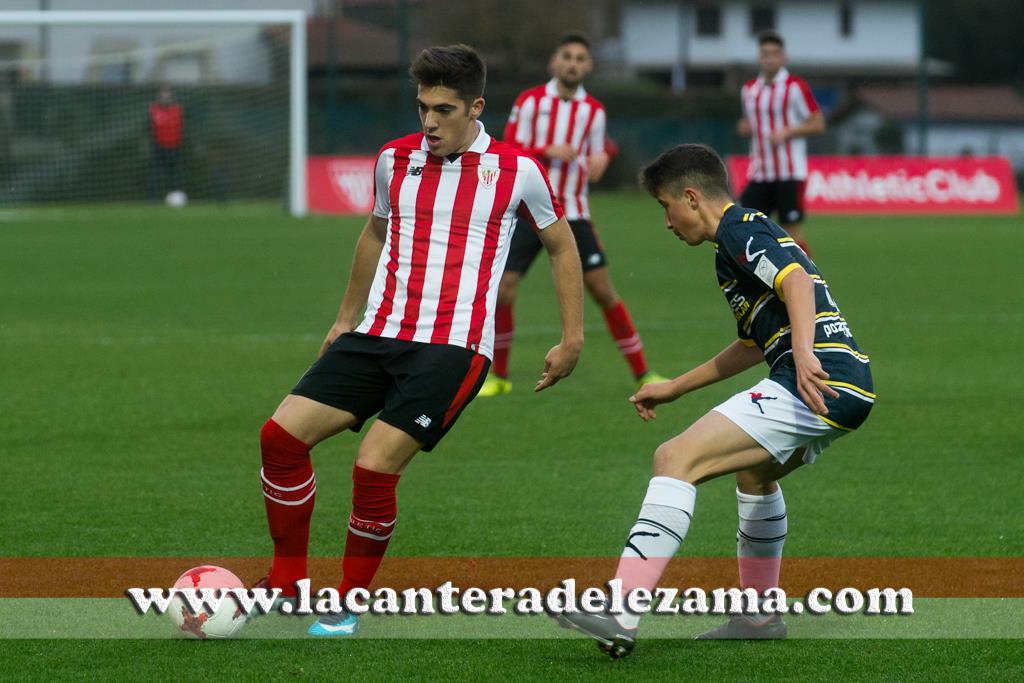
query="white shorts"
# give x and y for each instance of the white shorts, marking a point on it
(779, 421)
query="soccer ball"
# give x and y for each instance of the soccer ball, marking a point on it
(176, 199)
(226, 622)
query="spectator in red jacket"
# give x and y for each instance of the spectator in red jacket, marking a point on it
(166, 130)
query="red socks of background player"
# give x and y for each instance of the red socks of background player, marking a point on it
(289, 491)
(620, 325)
(374, 511)
(504, 331)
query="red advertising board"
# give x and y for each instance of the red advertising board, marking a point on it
(902, 184)
(340, 185)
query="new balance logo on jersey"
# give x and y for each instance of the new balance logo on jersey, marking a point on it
(423, 421)
(414, 171)
(756, 397)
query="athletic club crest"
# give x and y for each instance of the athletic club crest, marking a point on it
(488, 176)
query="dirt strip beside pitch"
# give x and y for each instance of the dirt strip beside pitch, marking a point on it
(927, 577)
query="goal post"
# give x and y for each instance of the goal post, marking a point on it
(295, 20)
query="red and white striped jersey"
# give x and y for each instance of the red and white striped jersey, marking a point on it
(785, 102)
(450, 223)
(540, 118)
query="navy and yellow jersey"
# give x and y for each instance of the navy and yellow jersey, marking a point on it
(753, 255)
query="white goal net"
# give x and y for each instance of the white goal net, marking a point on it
(152, 106)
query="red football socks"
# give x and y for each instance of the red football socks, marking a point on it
(620, 325)
(504, 331)
(289, 491)
(374, 511)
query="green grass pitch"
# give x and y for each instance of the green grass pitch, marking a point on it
(143, 348)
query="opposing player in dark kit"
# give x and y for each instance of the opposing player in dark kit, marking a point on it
(818, 389)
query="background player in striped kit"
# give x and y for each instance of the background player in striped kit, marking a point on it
(563, 126)
(779, 111)
(426, 268)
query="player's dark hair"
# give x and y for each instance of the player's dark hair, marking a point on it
(682, 166)
(458, 67)
(770, 36)
(574, 37)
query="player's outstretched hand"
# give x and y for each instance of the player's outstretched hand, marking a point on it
(810, 382)
(650, 395)
(337, 329)
(558, 364)
(777, 137)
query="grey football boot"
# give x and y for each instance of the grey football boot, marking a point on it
(740, 628)
(612, 638)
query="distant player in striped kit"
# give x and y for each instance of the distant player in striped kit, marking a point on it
(779, 111)
(563, 126)
(426, 269)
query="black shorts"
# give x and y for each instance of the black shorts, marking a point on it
(416, 387)
(784, 197)
(526, 245)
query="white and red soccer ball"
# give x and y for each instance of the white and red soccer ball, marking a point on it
(225, 622)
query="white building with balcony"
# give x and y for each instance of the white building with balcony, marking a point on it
(714, 43)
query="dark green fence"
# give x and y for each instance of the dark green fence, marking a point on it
(91, 143)
(88, 143)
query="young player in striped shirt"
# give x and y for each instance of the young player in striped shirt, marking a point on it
(426, 268)
(779, 112)
(563, 126)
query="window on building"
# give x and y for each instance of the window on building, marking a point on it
(113, 60)
(845, 20)
(762, 18)
(177, 64)
(709, 20)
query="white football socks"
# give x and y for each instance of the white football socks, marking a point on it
(759, 539)
(655, 537)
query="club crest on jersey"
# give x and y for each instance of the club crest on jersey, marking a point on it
(488, 176)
